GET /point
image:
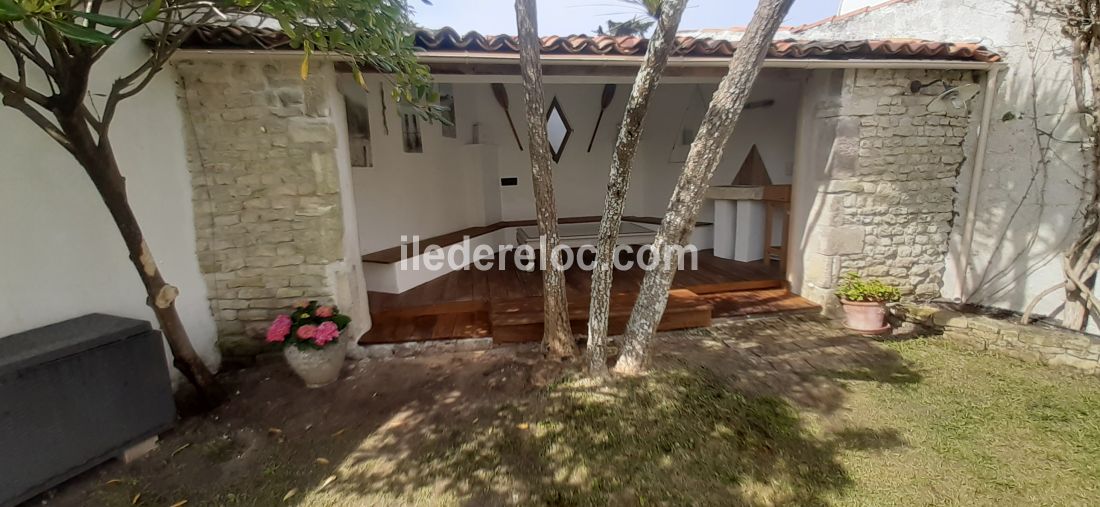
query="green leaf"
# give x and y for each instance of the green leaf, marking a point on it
(341, 321)
(152, 11)
(81, 33)
(11, 11)
(101, 19)
(32, 26)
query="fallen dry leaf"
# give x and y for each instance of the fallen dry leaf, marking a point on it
(523, 426)
(338, 433)
(274, 431)
(328, 480)
(180, 503)
(113, 482)
(136, 499)
(290, 494)
(321, 461)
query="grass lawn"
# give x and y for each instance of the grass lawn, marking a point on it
(958, 428)
(977, 429)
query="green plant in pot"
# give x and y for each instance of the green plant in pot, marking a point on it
(864, 303)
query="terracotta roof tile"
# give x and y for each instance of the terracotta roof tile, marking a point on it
(447, 39)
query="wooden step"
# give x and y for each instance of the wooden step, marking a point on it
(744, 285)
(401, 328)
(520, 320)
(740, 304)
(433, 309)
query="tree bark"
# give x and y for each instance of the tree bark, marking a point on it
(99, 162)
(1083, 251)
(703, 157)
(626, 145)
(557, 336)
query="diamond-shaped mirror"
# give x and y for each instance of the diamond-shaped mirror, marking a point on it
(557, 128)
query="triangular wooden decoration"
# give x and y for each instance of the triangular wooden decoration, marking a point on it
(753, 171)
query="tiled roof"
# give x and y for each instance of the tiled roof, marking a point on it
(448, 40)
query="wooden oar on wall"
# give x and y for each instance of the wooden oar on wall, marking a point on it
(502, 98)
(605, 100)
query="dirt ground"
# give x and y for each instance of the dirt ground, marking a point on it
(745, 412)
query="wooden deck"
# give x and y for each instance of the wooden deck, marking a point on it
(507, 303)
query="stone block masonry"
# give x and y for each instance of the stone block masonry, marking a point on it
(887, 203)
(266, 190)
(1034, 343)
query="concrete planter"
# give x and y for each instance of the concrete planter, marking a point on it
(867, 317)
(317, 367)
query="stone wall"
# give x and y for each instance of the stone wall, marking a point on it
(1035, 343)
(886, 201)
(266, 190)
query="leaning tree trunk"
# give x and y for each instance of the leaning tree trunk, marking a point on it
(557, 336)
(1081, 258)
(100, 164)
(703, 157)
(626, 145)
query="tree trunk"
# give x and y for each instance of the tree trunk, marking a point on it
(101, 166)
(1083, 253)
(1081, 258)
(703, 157)
(626, 145)
(557, 336)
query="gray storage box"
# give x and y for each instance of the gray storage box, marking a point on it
(75, 394)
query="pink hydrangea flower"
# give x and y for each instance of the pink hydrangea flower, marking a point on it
(326, 332)
(279, 329)
(307, 331)
(324, 312)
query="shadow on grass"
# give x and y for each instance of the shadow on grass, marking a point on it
(896, 373)
(675, 436)
(712, 423)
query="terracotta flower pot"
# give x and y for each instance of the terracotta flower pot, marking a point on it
(868, 317)
(317, 367)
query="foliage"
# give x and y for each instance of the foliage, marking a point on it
(374, 33)
(855, 288)
(649, 12)
(635, 26)
(308, 325)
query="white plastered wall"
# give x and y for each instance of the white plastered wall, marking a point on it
(62, 254)
(455, 184)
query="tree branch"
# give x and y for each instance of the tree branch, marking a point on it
(17, 43)
(9, 86)
(14, 100)
(125, 87)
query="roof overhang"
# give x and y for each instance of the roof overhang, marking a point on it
(472, 57)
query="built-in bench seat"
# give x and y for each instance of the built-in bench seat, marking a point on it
(398, 269)
(393, 254)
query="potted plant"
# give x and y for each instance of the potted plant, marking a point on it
(864, 303)
(311, 339)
